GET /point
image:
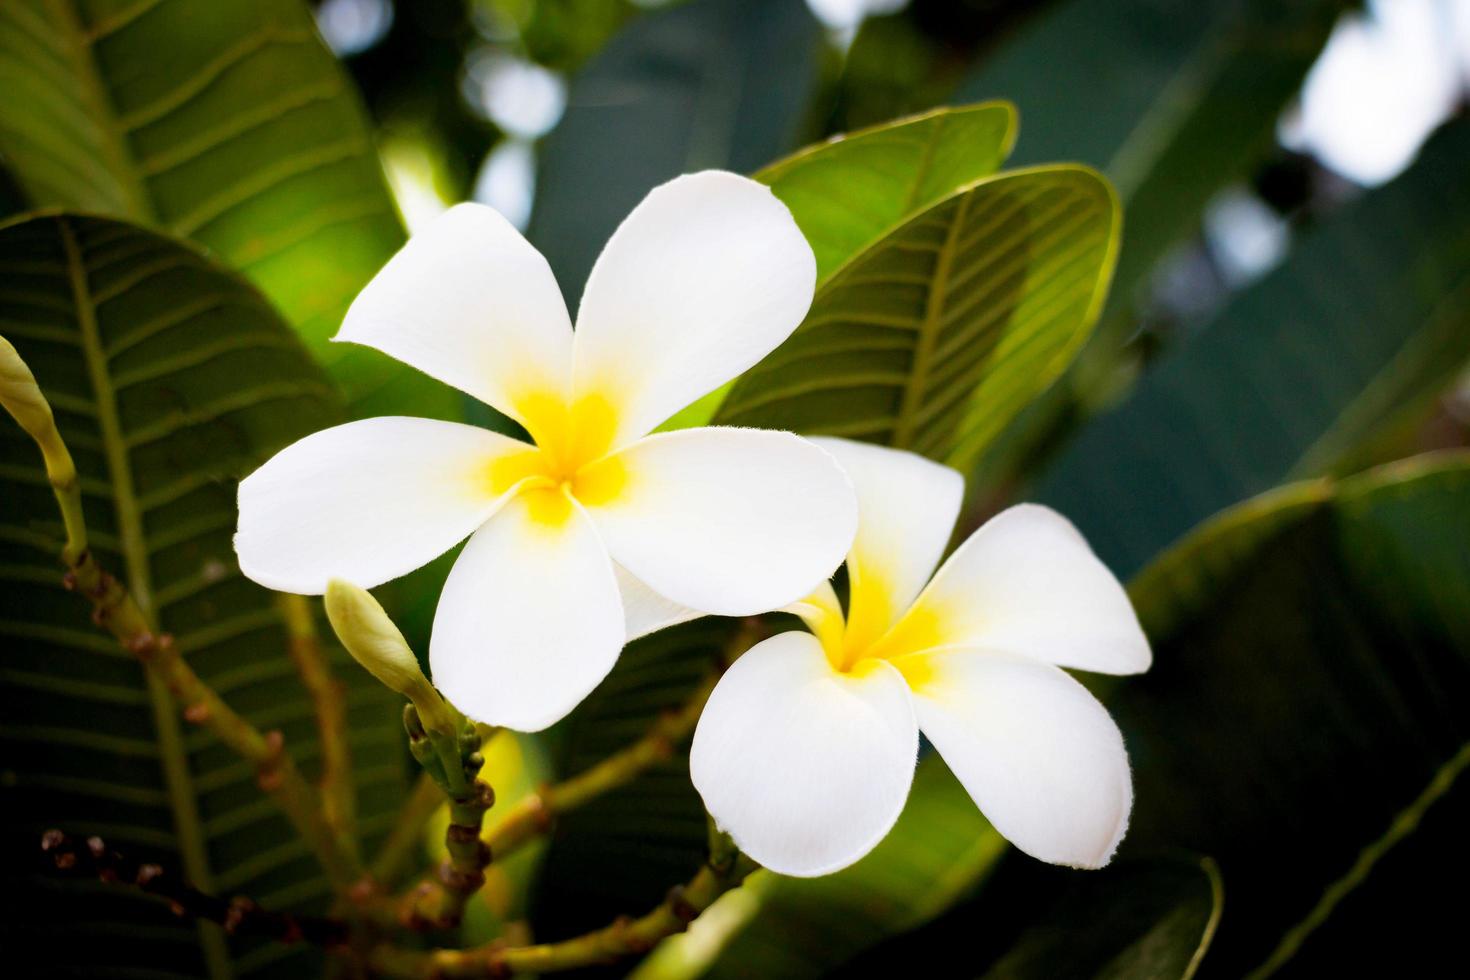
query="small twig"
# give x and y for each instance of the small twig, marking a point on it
(534, 815)
(723, 871)
(115, 611)
(329, 703)
(406, 836)
(239, 916)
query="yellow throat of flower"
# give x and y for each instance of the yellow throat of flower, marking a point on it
(869, 632)
(570, 459)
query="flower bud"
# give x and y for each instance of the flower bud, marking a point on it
(372, 639)
(22, 398)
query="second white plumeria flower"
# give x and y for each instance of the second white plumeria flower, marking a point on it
(599, 532)
(806, 749)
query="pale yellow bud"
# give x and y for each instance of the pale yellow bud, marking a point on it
(22, 398)
(372, 639)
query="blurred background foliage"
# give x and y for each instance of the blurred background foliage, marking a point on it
(1289, 304)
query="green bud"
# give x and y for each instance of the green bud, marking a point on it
(372, 639)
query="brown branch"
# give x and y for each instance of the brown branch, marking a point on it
(624, 937)
(239, 916)
(535, 814)
(404, 839)
(114, 610)
(329, 703)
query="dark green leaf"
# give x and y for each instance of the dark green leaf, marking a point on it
(170, 378)
(1310, 696)
(1172, 99)
(233, 127)
(777, 927)
(712, 83)
(1367, 316)
(937, 335)
(1133, 921)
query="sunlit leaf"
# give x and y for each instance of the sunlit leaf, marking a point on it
(170, 378)
(233, 127)
(937, 335)
(849, 191)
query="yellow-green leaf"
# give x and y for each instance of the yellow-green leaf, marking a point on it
(937, 335)
(228, 123)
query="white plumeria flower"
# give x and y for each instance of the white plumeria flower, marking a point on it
(806, 749)
(599, 532)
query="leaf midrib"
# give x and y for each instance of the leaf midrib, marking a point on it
(123, 167)
(178, 780)
(906, 419)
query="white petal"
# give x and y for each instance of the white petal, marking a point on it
(367, 501)
(728, 521)
(1038, 753)
(703, 279)
(644, 610)
(907, 507)
(470, 302)
(529, 621)
(806, 768)
(1027, 583)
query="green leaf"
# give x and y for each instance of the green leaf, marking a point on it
(1172, 99)
(847, 192)
(1150, 920)
(1364, 320)
(711, 83)
(937, 335)
(1309, 701)
(775, 926)
(624, 850)
(170, 378)
(234, 128)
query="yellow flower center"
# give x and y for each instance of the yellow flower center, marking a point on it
(865, 636)
(570, 458)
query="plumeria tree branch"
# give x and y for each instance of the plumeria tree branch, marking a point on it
(443, 742)
(114, 609)
(535, 814)
(724, 869)
(329, 704)
(402, 846)
(239, 916)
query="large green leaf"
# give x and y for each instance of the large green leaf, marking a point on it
(1370, 315)
(169, 378)
(1309, 702)
(849, 191)
(937, 335)
(777, 927)
(229, 124)
(711, 83)
(1172, 99)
